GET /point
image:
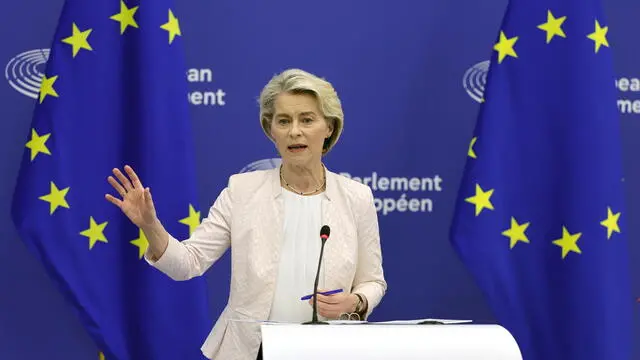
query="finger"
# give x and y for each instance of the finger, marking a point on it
(328, 311)
(123, 179)
(310, 301)
(326, 308)
(322, 311)
(147, 196)
(114, 201)
(116, 185)
(328, 299)
(318, 293)
(338, 309)
(134, 177)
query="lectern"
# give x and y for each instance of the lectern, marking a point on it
(388, 341)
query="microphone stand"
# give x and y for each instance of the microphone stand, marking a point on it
(314, 317)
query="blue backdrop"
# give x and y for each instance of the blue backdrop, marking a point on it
(410, 75)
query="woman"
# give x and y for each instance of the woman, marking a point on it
(271, 220)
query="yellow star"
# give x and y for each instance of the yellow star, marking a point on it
(95, 232)
(78, 40)
(142, 243)
(611, 222)
(56, 198)
(193, 220)
(37, 144)
(599, 36)
(101, 356)
(568, 242)
(504, 47)
(125, 17)
(553, 26)
(46, 87)
(172, 26)
(516, 232)
(481, 199)
(471, 153)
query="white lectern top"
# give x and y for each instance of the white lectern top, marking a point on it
(387, 341)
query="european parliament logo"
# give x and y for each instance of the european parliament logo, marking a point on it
(475, 79)
(24, 72)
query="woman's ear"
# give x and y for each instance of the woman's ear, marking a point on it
(325, 145)
(330, 125)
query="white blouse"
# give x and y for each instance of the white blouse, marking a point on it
(298, 258)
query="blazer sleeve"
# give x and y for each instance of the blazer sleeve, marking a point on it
(183, 260)
(369, 278)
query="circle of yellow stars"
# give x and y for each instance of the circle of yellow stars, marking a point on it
(552, 28)
(79, 40)
(516, 233)
(95, 233)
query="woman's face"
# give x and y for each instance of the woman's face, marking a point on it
(299, 128)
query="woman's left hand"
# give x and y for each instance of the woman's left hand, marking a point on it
(331, 306)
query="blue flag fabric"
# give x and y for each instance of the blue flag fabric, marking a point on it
(114, 93)
(539, 220)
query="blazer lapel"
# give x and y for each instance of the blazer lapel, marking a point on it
(270, 239)
(275, 218)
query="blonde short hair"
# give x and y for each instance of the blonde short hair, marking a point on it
(296, 81)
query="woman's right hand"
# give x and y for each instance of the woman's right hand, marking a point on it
(135, 200)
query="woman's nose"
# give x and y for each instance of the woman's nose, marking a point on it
(295, 129)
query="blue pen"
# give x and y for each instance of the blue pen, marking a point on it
(331, 292)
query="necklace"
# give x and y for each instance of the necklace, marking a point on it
(324, 181)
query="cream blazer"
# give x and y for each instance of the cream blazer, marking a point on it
(247, 217)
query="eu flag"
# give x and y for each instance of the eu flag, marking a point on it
(114, 92)
(539, 219)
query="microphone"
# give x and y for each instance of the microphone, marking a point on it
(324, 235)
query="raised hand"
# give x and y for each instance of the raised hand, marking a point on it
(135, 200)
